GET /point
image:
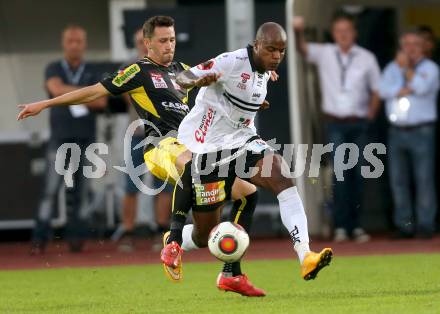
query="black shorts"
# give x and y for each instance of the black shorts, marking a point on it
(214, 173)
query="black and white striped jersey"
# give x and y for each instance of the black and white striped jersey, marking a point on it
(224, 112)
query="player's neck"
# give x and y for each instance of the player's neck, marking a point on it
(259, 67)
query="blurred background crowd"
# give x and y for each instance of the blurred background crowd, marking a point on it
(368, 72)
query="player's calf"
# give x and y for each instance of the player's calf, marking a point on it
(292, 213)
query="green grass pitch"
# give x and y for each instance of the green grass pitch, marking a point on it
(373, 284)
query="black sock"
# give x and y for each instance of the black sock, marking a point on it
(182, 202)
(241, 213)
(232, 269)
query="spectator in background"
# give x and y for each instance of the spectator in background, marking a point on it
(409, 85)
(162, 202)
(348, 76)
(74, 124)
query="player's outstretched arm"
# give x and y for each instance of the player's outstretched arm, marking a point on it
(79, 96)
(187, 79)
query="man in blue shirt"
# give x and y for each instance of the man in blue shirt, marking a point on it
(410, 85)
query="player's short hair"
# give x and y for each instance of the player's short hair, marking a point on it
(343, 16)
(156, 21)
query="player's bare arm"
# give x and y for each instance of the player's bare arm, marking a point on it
(57, 87)
(187, 79)
(84, 95)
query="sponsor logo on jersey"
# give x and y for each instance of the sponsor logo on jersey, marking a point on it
(158, 80)
(245, 77)
(175, 105)
(207, 65)
(126, 75)
(256, 95)
(207, 119)
(210, 193)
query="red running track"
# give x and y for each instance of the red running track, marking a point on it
(105, 253)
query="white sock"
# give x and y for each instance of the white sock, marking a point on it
(295, 220)
(187, 241)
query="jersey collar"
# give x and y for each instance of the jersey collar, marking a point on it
(159, 65)
(251, 59)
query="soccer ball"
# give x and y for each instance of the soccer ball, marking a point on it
(228, 242)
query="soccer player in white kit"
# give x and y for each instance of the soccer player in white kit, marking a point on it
(223, 121)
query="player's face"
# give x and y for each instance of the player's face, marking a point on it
(344, 33)
(140, 45)
(161, 45)
(74, 44)
(270, 54)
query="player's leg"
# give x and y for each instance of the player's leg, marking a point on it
(194, 236)
(162, 212)
(245, 198)
(169, 162)
(270, 176)
(183, 197)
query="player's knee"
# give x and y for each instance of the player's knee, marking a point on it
(279, 181)
(242, 189)
(183, 159)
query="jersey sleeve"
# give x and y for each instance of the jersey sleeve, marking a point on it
(124, 80)
(222, 64)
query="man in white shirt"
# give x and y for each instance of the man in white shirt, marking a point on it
(410, 86)
(220, 131)
(348, 76)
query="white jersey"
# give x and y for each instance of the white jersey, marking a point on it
(224, 112)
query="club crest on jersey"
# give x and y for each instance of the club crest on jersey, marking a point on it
(207, 119)
(126, 75)
(207, 65)
(245, 77)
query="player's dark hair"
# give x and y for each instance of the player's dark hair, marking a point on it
(156, 21)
